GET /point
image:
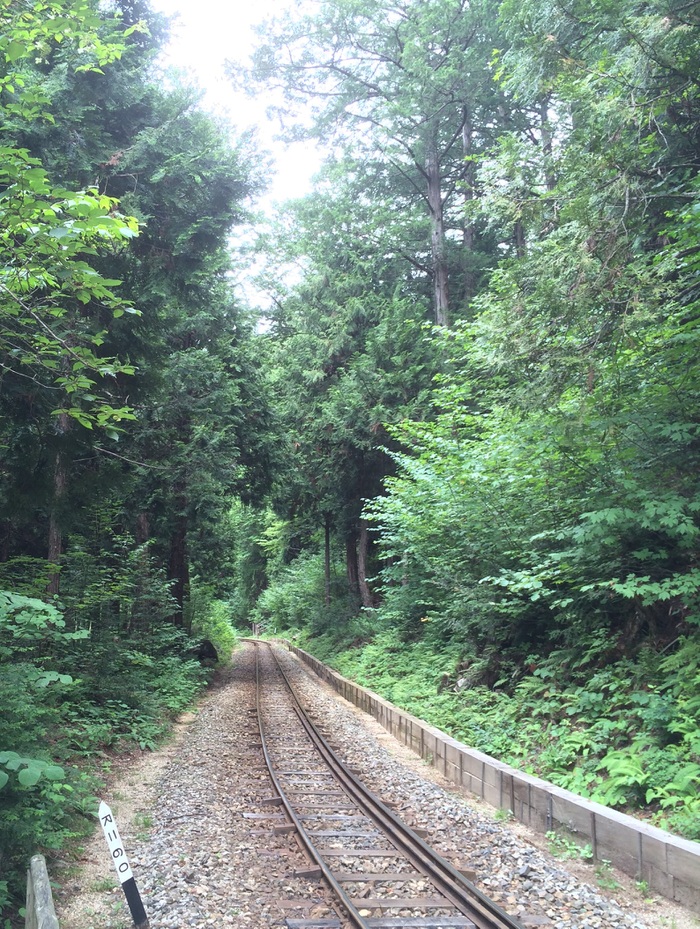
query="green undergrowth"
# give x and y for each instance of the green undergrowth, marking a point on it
(73, 702)
(625, 732)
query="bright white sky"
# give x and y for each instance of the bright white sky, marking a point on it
(208, 33)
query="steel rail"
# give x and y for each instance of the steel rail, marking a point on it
(313, 852)
(456, 888)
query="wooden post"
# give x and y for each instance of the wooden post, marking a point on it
(121, 864)
(40, 910)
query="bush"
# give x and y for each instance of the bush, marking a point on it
(215, 625)
(55, 725)
(625, 733)
(295, 599)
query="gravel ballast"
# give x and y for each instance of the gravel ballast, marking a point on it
(201, 859)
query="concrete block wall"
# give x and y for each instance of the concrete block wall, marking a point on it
(669, 865)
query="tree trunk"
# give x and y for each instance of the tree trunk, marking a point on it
(178, 569)
(437, 237)
(327, 561)
(546, 135)
(469, 287)
(143, 528)
(351, 562)
(142, 607)
(60, 486)
(6, 533)
(363, 545)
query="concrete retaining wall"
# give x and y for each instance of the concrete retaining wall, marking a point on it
(669, 865)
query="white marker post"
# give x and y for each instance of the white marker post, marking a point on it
(121, 863)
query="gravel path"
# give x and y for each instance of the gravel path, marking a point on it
(200, 862)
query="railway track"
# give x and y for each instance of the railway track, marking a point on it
(382, 873)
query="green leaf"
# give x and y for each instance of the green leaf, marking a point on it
(29, 777)
(54, 772)
(15, 50)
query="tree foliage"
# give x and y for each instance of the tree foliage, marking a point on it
(513, 488)
(412, 81)
(130, 404)
(55, 305)
(347, 353)
(545, 499)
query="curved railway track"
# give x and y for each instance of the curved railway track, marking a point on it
(381, 871)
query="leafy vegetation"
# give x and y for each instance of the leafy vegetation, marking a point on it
(523, 537)
(455, 447)
(64, 727)
(550, 474)
(619, 732)
(125, 369)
